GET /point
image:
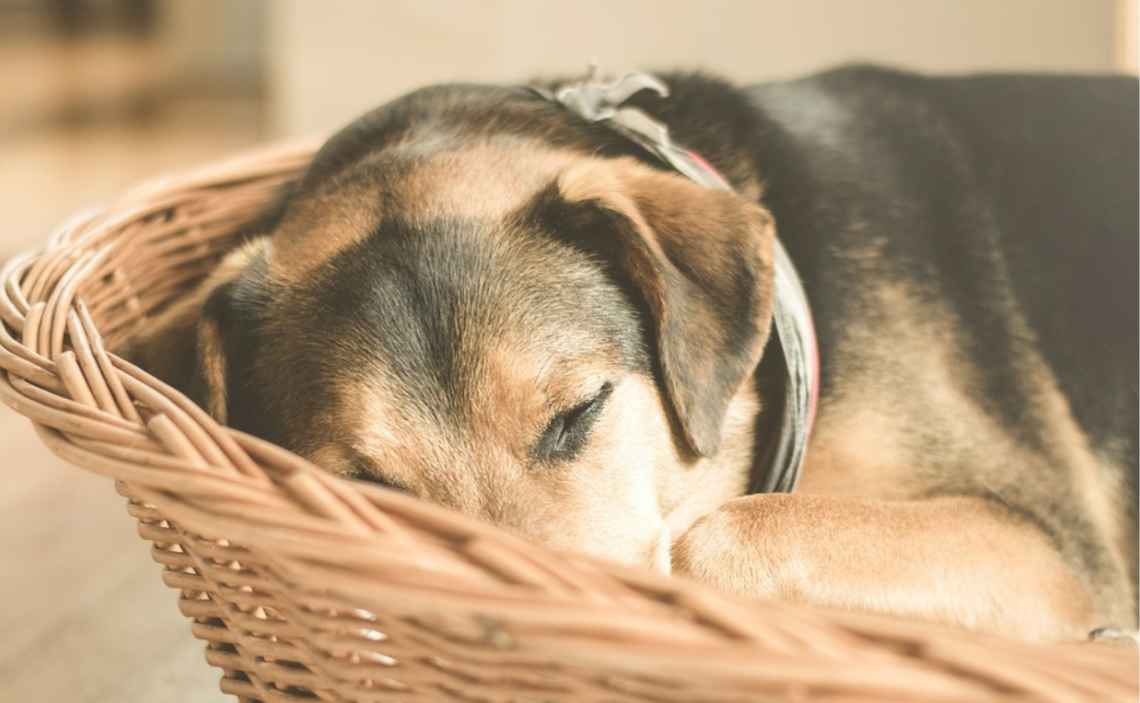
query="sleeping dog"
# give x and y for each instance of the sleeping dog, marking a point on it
(492, 301)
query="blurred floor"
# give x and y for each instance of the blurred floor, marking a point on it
(85, 615)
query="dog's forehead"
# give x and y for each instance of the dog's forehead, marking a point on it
(417, 182)
(448, 313)
(445, 332)
(443, 290)
(487, 179)
(434, 301)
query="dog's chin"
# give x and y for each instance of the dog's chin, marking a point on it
(654, 551)
(658, 555)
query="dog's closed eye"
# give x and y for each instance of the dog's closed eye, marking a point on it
(566, 434)
(362, 470)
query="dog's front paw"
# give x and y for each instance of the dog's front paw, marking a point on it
(717, 550)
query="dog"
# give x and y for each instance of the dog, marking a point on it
(479, 297)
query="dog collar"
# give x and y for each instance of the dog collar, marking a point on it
(603, 102)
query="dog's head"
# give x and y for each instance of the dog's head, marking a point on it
(550, 340)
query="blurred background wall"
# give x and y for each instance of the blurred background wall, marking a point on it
(98, 94)
(336, 58)
(312, 65)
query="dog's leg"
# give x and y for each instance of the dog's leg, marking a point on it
(958, 559)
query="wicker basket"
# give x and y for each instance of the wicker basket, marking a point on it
(305, 586)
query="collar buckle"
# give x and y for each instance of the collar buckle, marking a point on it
(597, 100)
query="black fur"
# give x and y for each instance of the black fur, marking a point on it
(425, 299)
(1005, 204)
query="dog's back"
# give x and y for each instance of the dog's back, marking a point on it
(970, 248)
(1056, 160)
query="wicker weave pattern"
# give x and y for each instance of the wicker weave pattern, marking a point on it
(307, 586)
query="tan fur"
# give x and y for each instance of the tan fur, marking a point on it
(1097, 487)
(187, 310)
(161, 342)
(318, 228)
(481, 180)
(839, 543)
(605, 502)
(213, 366)
(950, 559)
(692, 489)
(648, 196)
(638, 483)
(584, 505)
(865, 531)
(690, 244)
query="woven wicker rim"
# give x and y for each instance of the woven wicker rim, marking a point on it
(308, 586)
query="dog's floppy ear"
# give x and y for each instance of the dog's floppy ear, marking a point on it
(186, 346)
(701, 261)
